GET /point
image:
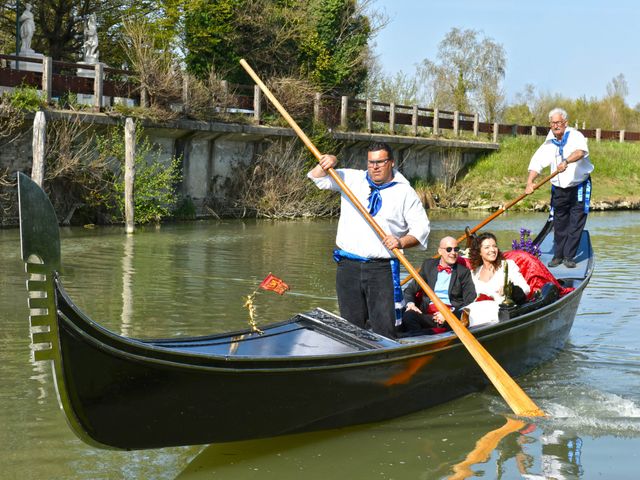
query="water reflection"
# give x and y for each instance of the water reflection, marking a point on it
(484, 448)
(559, 456)
(127, 280)
(513, 450)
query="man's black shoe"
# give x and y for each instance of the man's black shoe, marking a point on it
(569, 263)
(555, 261)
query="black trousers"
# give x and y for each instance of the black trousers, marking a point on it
(365, 295)
(569, 219)
(417, 323)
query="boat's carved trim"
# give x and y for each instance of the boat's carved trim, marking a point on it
(339, 323)
(40, 242)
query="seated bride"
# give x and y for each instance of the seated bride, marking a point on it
(490, 272)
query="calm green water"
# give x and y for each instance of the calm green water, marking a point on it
(190, 279)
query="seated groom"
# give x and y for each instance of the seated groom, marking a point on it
(450, 281)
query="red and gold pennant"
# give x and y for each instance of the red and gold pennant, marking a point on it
(271, 282)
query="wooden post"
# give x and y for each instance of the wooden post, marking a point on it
(317, 100)
(436, 121)
(369, 115)
(495, 132)
(38, 145)
(456, 123)
(185, 92)
(534, 131)
(414, 121)
(144, 97)
(621, 136)
(97, 87)
(476, 125)
(224, 101)
(344, 112)
(392, 118)
(129, 173)
(47, 77)
(598, 134)
(514, 130)
(257, 104)
(584, 124)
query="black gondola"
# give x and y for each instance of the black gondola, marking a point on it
(314, 371)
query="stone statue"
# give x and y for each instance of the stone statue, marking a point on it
(27, 29)
(90, 45)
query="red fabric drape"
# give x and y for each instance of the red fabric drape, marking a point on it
(534, 271)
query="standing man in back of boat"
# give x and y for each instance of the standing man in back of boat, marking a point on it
(368, 274)
(565, 150)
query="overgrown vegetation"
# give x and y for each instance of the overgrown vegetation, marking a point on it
(155, 181)
(85, 177)
(23, 99)
(276, 185)
(151, 59)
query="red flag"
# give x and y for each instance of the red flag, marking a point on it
(271, 282)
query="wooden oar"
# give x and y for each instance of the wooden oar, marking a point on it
(501, 210)
(495, 214)
(515, 397)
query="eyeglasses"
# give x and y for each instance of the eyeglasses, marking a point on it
(559, 122)
(448, 249)
(378, 163)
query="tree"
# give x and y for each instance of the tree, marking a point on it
(614, 103)
(334, 54)
(399, 88)
(467, 74)
(324, 41)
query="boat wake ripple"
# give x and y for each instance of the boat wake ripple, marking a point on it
(597, 413)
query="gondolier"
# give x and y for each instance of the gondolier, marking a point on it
(565, 150)
(367, 278)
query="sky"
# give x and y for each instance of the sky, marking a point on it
(573, 47)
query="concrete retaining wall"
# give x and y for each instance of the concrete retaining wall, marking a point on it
(212, 153)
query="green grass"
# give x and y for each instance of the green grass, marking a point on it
(499, 177)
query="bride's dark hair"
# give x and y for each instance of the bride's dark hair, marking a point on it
(474, 252)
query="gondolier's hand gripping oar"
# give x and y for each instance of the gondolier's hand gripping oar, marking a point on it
(515, 397)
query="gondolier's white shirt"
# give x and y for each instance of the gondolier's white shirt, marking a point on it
(548, 155)
(401, 214)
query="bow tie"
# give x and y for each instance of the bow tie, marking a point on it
(444, 269)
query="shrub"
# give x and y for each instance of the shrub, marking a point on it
(26, 98)
(154, 188)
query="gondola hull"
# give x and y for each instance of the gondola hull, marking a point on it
(314, 371)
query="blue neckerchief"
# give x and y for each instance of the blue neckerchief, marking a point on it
(375, 199)
(561, 143)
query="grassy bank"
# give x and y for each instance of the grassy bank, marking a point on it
(501, 176)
